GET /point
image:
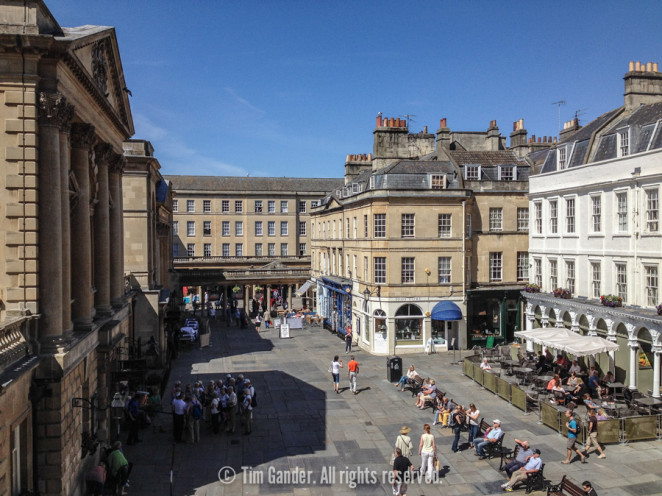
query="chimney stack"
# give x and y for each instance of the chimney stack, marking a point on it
(643, 85)
(443, 136)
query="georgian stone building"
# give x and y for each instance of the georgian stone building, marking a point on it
(244, 232)
(595, 230)
(147, 207)
(65, 114)
(425, 220)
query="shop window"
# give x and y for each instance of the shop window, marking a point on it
(409, 325)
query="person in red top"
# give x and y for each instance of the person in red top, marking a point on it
(352, 372)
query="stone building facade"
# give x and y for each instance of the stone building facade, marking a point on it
(424, 219)
(63, 311)
(147, 207)
(242, 233)
(595, 230)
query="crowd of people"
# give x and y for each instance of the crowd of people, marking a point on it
(448, 414)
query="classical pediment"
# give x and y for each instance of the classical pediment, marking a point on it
(93, 56)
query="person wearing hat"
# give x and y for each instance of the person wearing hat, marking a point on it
(520, 460)
(533, 465)
(404, 442)
(492, 435)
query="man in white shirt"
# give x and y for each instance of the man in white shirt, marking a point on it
(492, 435)
(178, 416)
(575, 368)
(532, 465)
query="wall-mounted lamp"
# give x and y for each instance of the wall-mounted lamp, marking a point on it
(428, 271)
(367, 293)
(451, 289)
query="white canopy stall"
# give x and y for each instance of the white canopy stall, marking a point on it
(562, 339)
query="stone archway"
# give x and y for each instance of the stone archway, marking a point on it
(644, 360)
(583, 325)
(552, 318)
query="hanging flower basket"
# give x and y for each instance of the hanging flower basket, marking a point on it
(532, 288)
(611, 301)
(236, 289)
(562, 293)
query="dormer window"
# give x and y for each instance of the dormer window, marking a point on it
(472, 172)
(356, 188)
(562, 158)
(624, 143)
(507, 173)
(437, 181)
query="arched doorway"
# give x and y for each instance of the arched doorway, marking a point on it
(380, 331)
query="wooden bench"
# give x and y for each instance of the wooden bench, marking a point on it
(416, 386)
(483, 428)
(494, 449)
(433, 402)
(566, 487)
(508, 455)
(536, 481)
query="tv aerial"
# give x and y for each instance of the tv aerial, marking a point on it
(559, 103)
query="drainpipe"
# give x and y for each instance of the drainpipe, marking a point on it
(464, 268)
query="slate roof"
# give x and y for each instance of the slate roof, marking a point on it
(486, 159)
(587, 131)
(254, 184)
(418, 167)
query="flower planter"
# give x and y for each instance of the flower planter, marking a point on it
(611, 301)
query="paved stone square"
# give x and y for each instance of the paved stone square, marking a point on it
(302, 428)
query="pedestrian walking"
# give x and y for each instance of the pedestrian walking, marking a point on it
(348, 339)
(133, 412)
(352, 373)
(178, 417)
(573, 429)
(334, 368)
(258, 322)
(592, 440)
(402, 473)
(403, 442)
(427, 449)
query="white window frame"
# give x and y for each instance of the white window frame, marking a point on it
(570, 215)
(522, 266)
(596, 279)
(622, 211)
(206, 228)
(175, 228)
(302, 228)
(408, 270)
(258, 250)
(190, 206)
(537, 211)
(444, 270)
(596, 213)
(408, 225)
(206, 206)
(553, 274)
(562, 160)
(537, 266)
(271, 249)
(271, 228)
(284, 228)
(283, 250)
(445, 225)
(652, 285)
(284, 206)
(190, 228)
(472, 172)
(239, 249)
(175, 206)
(652, 210)
(225, 250)
(238, 206)
(302, 251)
(225, 228)
(623, 138)
(258, 228)
(496, 219)
(258, 206)
(496, 266)
(190, 250)
(225, 206)
(206, 250)
(621, 280)
(570, 276)
(438, 181)
(380, 225)
(523, 219)
(238, 228)
(553, 216)
(302, 206)
(507, 173)
(379, 270)
(271, 206)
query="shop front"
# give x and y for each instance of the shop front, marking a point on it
(492, 316)
(335, 303)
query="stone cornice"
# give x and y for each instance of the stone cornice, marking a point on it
(624, 314)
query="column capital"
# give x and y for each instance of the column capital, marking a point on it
(54, 110)
(103, 153)
(116, 163)
(82, 135)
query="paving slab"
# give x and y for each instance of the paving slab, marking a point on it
(343, 442)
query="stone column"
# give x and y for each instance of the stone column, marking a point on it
(633, 344)
(116, 167)
(246, 286)
(559, 318)
(290, 290)
(65, 167)
(267, 300)
(103, 154)
(52, 108)
(656, 371)
(82, 139)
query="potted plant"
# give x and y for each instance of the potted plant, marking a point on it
(611, 301)
(532, 288)
(562, 293)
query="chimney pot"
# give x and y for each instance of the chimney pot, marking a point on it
(425, 130)
(539, 140)
(649, 67)
(442, 123)
(631, 66)
(391, 122)
(655, 66)
(379, 121)
(637, 66)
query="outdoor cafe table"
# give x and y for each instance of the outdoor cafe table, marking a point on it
(522, 371)
(509, 364)
(544, 379)
(649, 402)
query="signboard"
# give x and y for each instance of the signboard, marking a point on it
(284, 331)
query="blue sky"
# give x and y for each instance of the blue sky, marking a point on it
(289, 88)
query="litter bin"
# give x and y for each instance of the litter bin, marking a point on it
(393, 368)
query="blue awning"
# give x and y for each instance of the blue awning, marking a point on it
(446, 310)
